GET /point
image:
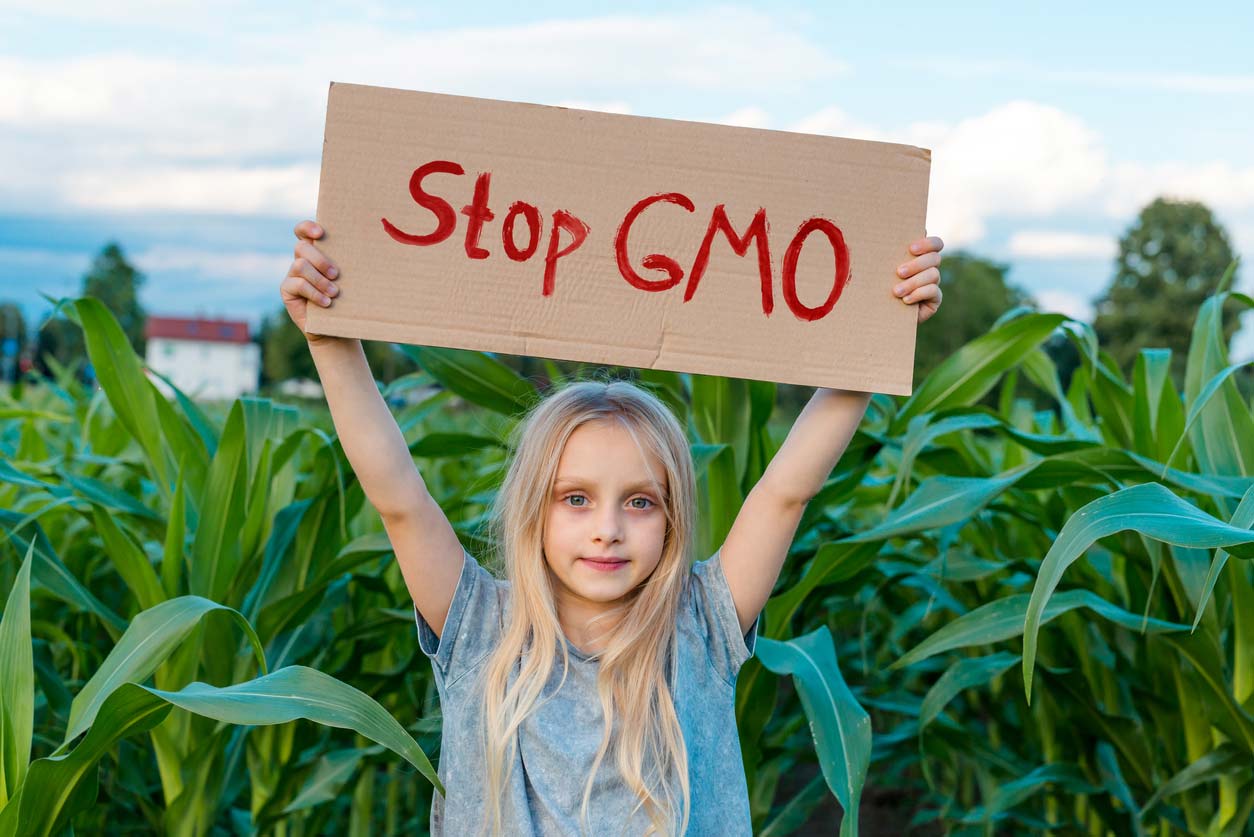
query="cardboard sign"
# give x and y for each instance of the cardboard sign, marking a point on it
(633, 241)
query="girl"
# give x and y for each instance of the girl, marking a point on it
(594, 524)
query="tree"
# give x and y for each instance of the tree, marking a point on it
(285, 354)
(1170, 260)
(976, 294)
(115, 282)
(12, 339)
(112, 280)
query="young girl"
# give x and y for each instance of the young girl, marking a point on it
(636, 733)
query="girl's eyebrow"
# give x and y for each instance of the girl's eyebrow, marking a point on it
(567, 481)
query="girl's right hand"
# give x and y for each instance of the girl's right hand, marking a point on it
(309, 277)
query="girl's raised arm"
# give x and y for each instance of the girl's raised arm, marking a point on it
(427, 549)
(757, 544)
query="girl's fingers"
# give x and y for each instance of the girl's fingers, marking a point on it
(930, 243)
(924, 293)
(923, 262)
(931, 277)
(308, 229)
(308, 251)
(303, 268)
(297, 287)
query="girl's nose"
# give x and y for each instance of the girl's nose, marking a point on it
(609, 525)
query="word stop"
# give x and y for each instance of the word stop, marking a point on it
(478, 213)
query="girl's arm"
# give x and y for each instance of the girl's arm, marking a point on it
(426, 547)
(755, 549)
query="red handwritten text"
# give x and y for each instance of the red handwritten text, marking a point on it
(757, 233)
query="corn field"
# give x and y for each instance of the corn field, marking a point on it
(998, 621)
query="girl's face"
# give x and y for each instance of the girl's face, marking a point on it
(603, 505)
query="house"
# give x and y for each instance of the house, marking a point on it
(206, 359)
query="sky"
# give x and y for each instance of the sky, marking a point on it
(191, 133)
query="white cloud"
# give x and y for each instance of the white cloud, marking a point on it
(835, 122)
(125, 131)
(290, 190)
(1064, 302)
(242, 267)
(1047, 244)
(1220, 185)
(750, 117)
(1020, 159)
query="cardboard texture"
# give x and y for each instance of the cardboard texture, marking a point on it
(553, 240)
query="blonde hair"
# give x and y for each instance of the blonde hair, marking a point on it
(632, 683)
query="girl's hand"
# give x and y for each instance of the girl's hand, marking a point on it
(921, 277)
(309, 277)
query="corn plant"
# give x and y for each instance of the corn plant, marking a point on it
(1000, 620)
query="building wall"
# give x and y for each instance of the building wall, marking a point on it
(203, 369)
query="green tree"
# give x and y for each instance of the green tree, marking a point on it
(12, 328)
(115, 282)
(285, 354)
(1170, 260)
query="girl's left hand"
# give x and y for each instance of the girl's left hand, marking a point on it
(920, 277)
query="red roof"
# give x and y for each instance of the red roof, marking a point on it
(214, 331)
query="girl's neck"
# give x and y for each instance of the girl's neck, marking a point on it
(587, 636)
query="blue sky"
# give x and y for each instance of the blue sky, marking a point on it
(191, 132)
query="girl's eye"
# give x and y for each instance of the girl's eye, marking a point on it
(577, 497)
(644, 500)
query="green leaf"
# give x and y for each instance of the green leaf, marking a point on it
(841, 727)
(962, 675)
(1149, 509)
(111, 498)
(1243, 517)
(796, 812)
(122, 378)
(1222, 710)
(17, 684)
(966, 375)
(1196, 408)
(53, 791)
(172, 560)
(52, 574)
(216, 548)
(1218, 763)
(300, 692)
(834, 562)
(939, 501)
(1007, 795)
(327, 779)
(58, 787)
(130, 561)
(151, 638)
(451, 444)
(721, 410)
(1004, 618)
(476, 377)
(1223, 441)
(1116, 785)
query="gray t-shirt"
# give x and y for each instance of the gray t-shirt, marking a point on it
(558, 742)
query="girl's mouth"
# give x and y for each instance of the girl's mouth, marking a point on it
(604, 565)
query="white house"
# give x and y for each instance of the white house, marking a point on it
(206, 359)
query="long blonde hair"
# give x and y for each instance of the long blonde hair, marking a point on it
(632, 682)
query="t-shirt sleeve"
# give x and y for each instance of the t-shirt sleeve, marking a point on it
(715, 612)
(472, 625)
